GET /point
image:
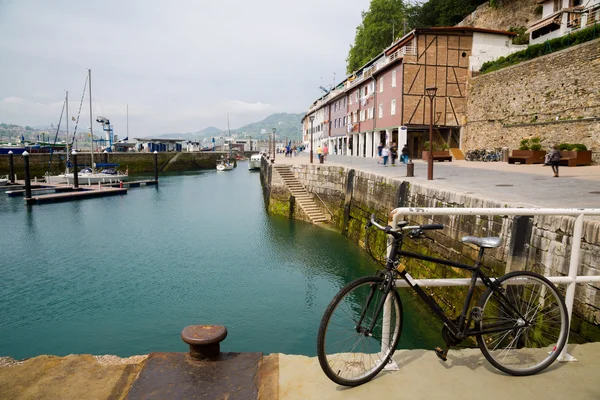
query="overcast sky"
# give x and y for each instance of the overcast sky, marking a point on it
(180, 65)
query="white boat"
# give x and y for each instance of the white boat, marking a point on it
(61, 178)
(224, 166)
(254, 162)
(87, 177)
(3, 182)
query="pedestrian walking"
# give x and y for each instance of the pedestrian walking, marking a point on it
(385, 153)
(404, 156)
(394, 153)
(379, 149)
(325, 152)
(554, 159)
(319, 153)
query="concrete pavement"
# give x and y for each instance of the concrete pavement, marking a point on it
(516, 185)
(466, 375)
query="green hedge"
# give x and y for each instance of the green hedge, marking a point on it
(538, 50)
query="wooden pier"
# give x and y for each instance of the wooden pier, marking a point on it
(54, 193)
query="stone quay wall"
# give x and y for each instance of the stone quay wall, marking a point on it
(134, 162)
(555, 97)
(540, 243)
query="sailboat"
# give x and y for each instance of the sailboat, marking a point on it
(226, 164)
(61, 177)
(88, 175)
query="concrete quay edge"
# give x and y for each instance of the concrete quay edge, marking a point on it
(466, 375)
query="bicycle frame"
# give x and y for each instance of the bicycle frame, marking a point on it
(460, 330)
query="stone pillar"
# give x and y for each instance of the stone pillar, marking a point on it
(388, 137)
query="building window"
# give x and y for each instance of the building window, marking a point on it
(393, 111)
(344, 102)
(380, 111)
(362, 115)
(394, 78)
(371, 113)
(381, 85)
(334, 107)
(366, 90)
(355, 116)
(344, 121)
(335, 123)
(557, 4)
(356, 96)
(350, 99)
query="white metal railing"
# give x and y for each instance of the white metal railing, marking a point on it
(571, 280)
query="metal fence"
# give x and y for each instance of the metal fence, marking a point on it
(571, 280)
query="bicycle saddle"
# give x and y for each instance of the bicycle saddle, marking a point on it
(487, 242)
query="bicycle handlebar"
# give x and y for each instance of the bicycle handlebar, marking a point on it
(403, 226)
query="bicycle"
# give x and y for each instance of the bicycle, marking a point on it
(520, 321)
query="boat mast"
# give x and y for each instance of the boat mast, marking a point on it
(229, 131)
(127, 121)
(67, 138)
(91, 118)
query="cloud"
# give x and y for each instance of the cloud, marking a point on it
(181, 65)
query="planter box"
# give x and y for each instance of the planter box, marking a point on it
(527, 156)
(437, 155)
(574, 158)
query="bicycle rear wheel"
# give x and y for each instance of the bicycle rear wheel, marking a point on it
(348, 355)
(535, 335)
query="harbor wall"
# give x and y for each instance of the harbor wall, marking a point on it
(134, 162)
(540, 244)
(554, 97)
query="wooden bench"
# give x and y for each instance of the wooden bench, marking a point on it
(521, 159)
(442, 158)
(527, 157)
(575, 158)
(568, 161)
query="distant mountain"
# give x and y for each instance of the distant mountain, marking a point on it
(286, 125)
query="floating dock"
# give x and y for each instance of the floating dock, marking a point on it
(54, 193)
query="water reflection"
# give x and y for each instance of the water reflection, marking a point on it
(124, 274)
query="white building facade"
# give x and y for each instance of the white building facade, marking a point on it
(561, 17)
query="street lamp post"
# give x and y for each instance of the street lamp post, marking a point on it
(430, 91)
(273, 159)
(312, 118)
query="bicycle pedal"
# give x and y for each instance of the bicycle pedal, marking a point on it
(441, 353)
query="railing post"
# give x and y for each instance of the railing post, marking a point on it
(573, 270)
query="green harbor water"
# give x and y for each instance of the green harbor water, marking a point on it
(124, 275)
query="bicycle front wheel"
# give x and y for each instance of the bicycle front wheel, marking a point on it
(527, 326)
(349, 353)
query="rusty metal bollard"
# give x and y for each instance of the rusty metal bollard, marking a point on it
(410, 168)
(204, 340)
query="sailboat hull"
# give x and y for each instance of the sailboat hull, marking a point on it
(94, 179)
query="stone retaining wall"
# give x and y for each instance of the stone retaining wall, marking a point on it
(540, 244)
(555, 97)
(134, 162)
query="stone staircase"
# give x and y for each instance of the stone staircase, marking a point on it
(303, 198)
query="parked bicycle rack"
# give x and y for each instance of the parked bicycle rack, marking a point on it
(570, 280)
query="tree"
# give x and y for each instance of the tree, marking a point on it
(444, 12)
(385, 20)
(381, 25)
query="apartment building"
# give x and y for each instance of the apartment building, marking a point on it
(385, 102)
(560, 17)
